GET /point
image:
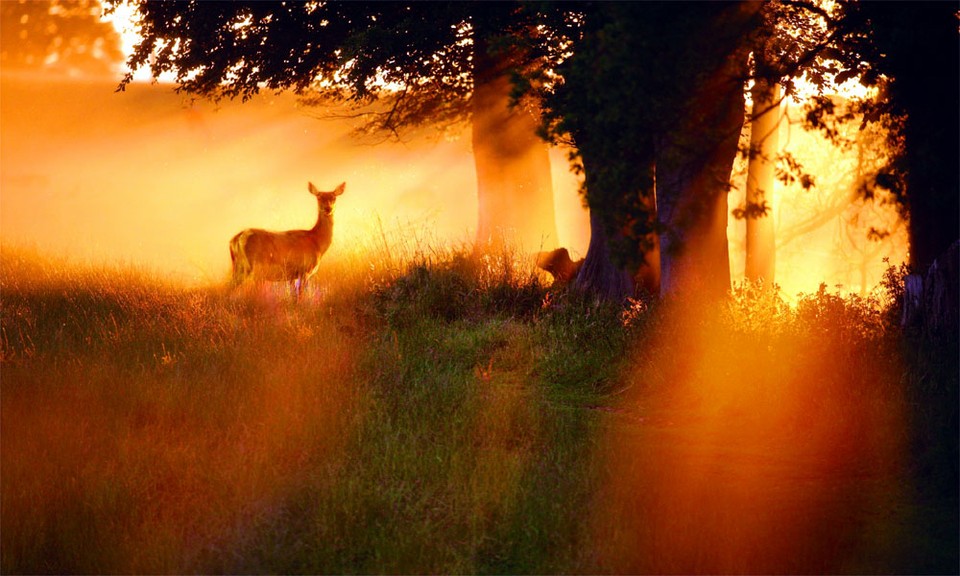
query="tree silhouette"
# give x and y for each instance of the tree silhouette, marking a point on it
(909, 51)
(652, 99)
(912, 51)
(648, 99)
(402, 64)
(650, 95)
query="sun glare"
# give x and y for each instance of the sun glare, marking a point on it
(823, 232)
(123, 18)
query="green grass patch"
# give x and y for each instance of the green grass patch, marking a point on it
(437, 412)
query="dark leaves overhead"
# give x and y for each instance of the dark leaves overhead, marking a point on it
(414, 60)
(226, 49)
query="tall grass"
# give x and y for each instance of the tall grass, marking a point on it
(421, 409)
(149, 428)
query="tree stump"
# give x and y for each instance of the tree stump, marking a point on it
(912, 299)
(932, 301)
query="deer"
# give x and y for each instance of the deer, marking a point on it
(288, 256)
(560, 265)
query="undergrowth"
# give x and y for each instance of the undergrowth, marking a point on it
(435, 411)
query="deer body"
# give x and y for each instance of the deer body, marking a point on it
(290, 256)
(560, 265)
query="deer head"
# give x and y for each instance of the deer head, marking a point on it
(326, 200)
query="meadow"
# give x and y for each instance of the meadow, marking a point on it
(421, 410)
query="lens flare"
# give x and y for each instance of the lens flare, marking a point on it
(744, 450)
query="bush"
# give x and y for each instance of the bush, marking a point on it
(461, 286)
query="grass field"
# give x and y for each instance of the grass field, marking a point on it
(424, 411)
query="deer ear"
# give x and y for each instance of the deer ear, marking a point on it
(313, 189)
(339, 190)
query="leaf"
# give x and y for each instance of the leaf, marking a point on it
(845, 75)
(751, 210)
(831, 53)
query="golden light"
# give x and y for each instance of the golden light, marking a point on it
(163, 180)
(822, 234)
(722, 458)
(746, 451)
(427, 185)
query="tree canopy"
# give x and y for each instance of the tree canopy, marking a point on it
(419, 56)
(650, 94)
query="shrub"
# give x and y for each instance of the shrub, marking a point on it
(460, 286)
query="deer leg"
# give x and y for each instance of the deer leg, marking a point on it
(237, 277)
(238, 264)
(298, 286)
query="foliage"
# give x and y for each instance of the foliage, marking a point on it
(816, 384)
(460, 286)
(892, 286)
(171, 418)
(618, 95)
(571, 322)
(392, 66)
(615, 79)
(188, 430)
(908, 54)
(626, 75)
(628, 82)
(417, 59)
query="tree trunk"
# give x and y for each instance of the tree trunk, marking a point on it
(764, 145)
(647, 278)
(514, 185)
(598, 274)
(924, 69)
(693, 179)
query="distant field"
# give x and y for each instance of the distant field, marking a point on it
(423, 411)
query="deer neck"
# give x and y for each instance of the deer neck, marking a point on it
(323, 229)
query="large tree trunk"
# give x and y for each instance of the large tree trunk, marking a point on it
(919, 42)
(601, 276)
(693, 176)
(514, 185)
(598, 275)
(694, 161)
(647, 277)
(761, 176)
